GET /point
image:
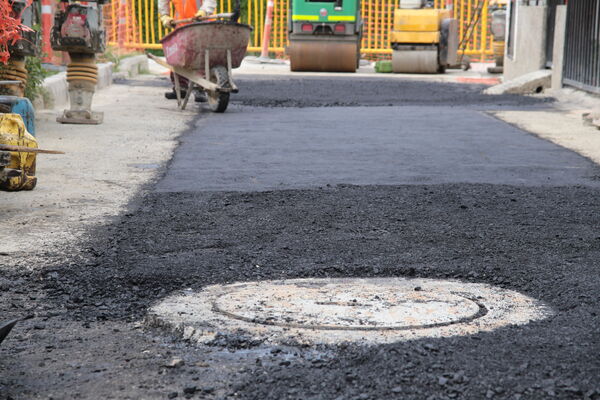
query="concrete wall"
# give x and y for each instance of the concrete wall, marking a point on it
(558, 50)
(530, 42)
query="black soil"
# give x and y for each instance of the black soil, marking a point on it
(84, 339)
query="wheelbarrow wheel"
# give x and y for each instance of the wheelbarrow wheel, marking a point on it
(218, 101)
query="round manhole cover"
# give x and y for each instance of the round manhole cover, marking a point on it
(369, 306)
(335, 310)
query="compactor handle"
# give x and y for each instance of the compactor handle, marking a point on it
(236, 11)
(24, 149)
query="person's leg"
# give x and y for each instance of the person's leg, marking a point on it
(199, 95)
(183, 84)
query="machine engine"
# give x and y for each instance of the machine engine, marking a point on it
(14, 74)
(78, 29)
(28, 44)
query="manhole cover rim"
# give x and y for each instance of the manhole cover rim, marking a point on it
(480, 311)
(190, 315)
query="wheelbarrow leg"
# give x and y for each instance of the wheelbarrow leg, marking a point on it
(207, 64)
(187, 95)
(229, 66)
(229, 62)
(232, 85)
(177, 88)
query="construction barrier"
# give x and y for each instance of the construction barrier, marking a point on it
(143, 30)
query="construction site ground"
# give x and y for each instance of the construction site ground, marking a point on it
(477, 71)
(305, 176)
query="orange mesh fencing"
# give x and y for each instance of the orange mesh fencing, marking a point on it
(143, 30)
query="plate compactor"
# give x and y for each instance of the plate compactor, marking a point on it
(424, 40)
(78, 30)
(324, 35)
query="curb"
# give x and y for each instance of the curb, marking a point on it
(531, 83)
(480, 81)
(131, 66)
(57, 92)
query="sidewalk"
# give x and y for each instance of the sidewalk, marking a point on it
(564, 124)
(103, 168)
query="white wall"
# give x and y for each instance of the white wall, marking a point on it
(530, 42)
(558, 50)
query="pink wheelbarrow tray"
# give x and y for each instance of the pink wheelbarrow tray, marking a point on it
(205, 52)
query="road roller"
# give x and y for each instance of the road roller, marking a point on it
(424, 40)
(498, 28)
(324, 35)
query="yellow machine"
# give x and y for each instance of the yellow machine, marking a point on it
(424, 40)
(17, 168)
(498, 28)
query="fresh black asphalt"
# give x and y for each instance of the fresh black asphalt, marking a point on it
(266, 149)
(303, 187)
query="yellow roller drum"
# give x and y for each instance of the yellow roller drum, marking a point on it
(415, 61)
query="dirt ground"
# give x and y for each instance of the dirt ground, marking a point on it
(104, 167)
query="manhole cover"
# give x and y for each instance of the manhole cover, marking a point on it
(335, 310)
(376, 305)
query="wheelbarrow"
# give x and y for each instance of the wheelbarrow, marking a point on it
(204, 52)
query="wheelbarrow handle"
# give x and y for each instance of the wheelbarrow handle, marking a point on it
(194, 19)
(24, 149)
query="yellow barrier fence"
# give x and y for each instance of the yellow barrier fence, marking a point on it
(143, 29)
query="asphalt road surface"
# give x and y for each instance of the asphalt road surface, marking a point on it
(331, 178)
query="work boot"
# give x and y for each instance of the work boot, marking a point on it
(173, 96)
(200, 96)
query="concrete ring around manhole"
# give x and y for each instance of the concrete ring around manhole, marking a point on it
(370, 310)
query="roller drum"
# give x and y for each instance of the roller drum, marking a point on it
(323, 56)
(415, 61)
